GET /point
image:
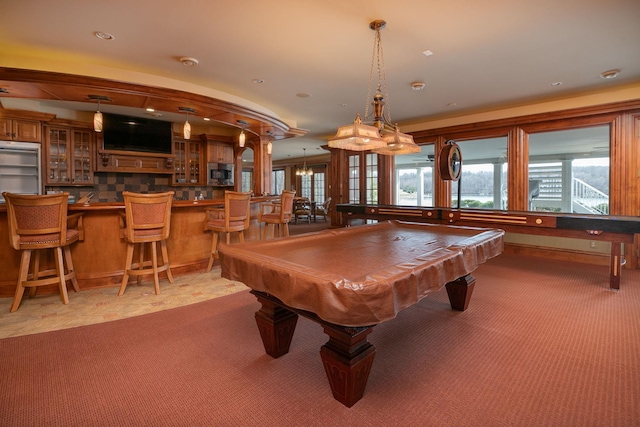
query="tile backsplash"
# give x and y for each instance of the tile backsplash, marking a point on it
(108, 187)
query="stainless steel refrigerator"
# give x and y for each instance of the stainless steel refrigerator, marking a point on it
(20, 168)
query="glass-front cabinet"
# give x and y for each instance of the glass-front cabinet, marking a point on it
(69, 156)
(187, 165)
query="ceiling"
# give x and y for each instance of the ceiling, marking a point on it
(314, 57)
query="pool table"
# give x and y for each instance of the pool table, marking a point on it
(351, 279)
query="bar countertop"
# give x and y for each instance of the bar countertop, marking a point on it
(106, 206)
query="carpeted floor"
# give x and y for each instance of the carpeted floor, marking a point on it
(543, 343)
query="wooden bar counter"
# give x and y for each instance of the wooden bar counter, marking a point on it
(100, 258)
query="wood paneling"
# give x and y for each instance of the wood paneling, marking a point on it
(66, 87)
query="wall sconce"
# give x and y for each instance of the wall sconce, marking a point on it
(186, 129)
(97, 117)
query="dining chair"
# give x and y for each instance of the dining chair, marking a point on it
(233, 218)
(40, 224)
(277, 214)
(323, 209)
(147, 219)
(302, 208)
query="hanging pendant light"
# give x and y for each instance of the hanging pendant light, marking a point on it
(186, 128)
(97, 116)
(97, 119)
(242, 138)
(304, 171)
(380, 136)
(270, 143)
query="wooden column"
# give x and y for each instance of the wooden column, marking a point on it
(262, 166)
(441, 188)
(518, 173)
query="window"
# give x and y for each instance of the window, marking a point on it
(319, 187)
(277, 181)
(483, 181)
(363, 178)
(305, 184)
(247, 180)
(354, 179)
(414, 178)
(569, 171)
(371, 182)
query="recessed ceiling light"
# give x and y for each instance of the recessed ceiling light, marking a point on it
(611, 74)
(427, 53)
(555, 84)
(342, 105)
(104, 36)
(303, 95)
(151, 110)
(187, 61)
(451, 104)
(206, 119)
(417, 85)
(257, 81)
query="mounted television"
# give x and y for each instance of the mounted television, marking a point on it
(128, 133)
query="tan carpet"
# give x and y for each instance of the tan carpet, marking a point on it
(543, 344)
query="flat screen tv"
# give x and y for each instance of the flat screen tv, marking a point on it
(127, 133)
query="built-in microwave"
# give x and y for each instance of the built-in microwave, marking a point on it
(220, 174)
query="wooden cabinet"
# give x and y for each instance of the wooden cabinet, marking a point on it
(220, 153)
(134, 162)
(20, 130)
(68, 156)
(188, 165)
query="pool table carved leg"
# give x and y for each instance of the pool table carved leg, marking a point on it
(276, 325)
(347, 358)
(460, 291)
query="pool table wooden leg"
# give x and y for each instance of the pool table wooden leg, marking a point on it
(347, 358)
(460, 291)
(276, 325)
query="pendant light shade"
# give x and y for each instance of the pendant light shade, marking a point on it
(242, 138)
(357, 137)
(397, 143)
(186, 128)
(97, 121)
(97, 116)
